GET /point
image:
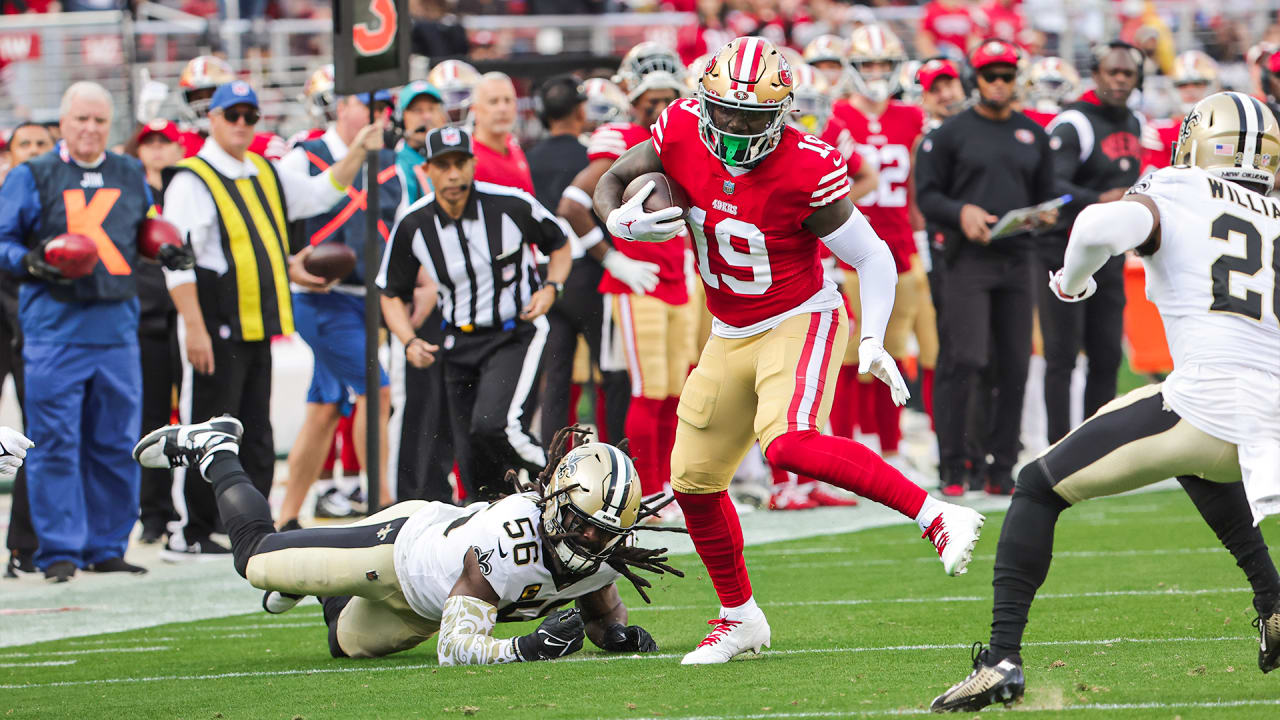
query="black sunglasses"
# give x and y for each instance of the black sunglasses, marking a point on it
(998, 76)
(251, 116)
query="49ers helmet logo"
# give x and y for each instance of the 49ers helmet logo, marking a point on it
(784, 73)
(375, 41)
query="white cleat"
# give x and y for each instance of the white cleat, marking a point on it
(954, 532)
(729, 639)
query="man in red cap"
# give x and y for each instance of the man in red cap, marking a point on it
(980, 164)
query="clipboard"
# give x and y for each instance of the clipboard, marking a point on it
(1023, 219)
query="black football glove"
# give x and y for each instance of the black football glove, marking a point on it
(40, 269)
(628, 638)
(175, 257)
(559, 635)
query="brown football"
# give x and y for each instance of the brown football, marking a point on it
(665, 193)
(153, 233)
(75, 255)
(331, 261)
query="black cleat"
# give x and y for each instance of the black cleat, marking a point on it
(60, 572)
(1002, 682)
(176, 446)
(1269, 640)
(117, 565)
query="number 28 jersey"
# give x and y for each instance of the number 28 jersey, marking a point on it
(1216, 281)
(758, 262)
(506, 538)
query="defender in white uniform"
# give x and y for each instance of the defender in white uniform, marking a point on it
(392, 580)
(1206, 232)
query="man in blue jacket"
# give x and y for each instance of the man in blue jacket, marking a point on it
(83, 389)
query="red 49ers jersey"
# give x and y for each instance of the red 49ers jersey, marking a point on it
(609, 141)
(837, 135)
(885, 143)
(1159, 152)
(756, 258)
(1041, 118)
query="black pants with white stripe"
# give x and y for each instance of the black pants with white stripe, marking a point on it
(161, 370)
(490, 377)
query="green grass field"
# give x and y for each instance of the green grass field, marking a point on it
(1143, 616)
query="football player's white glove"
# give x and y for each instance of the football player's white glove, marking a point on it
(13, 449)
(640, 276)
(150, 97)
(630, 221)
(1055, 284)
(874, 359)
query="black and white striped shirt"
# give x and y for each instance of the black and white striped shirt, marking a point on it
(483, 263)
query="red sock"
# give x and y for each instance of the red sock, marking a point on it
(667, 422)
(717, 536)
(926, 392)
(847, 464)
(867, 407)
(888, 418)
(642, 430)
(575, 392)
(602, 415)
(844, 405)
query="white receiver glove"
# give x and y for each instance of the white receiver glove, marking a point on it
(631, 222)
(13, 449)
(874, 359)
(640, 276)
(150, 97)
(1055, 284)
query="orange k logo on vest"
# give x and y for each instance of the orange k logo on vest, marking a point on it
(86, 219)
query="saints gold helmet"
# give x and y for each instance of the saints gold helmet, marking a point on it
(605, 102)
(1233, 136)
(743, 100)
(650, 66)
(456, 80)
(875, 56)
(1050, 83)
(595, 490)
(201, 76)
(813, 100)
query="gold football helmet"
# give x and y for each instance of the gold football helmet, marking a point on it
(1194, 68)
(1233, 136)
(693, 73)
(201, 76)
(605, 102)
(650, 66)
(907, 85)
(813, 100)
(744, 98)
(317, 94)
(830, 55)
(875, 56)
(1050, 83)
(455, 80)
(595, 489)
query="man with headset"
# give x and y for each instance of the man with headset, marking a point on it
(1097, 156)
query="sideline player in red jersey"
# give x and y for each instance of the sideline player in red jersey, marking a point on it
(1195, 77)
(649, 309)
(764, 197)
(885, 130)
(1050, 83)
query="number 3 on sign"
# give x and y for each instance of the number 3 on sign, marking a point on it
(369, 41)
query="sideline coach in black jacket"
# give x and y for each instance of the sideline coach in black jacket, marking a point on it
(1096, 158)
(978, 165)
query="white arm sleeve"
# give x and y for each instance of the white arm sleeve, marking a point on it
(465, 624)
(306, 195)
(1101, 231)
(858, 245)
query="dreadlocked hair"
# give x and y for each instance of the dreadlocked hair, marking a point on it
(650, 560)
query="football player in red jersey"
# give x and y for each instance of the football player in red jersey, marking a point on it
(829, 54)
(1050, 83)
(645, 282)
(1195, 76)
(885, 131)
(763, 198)
(199, 79)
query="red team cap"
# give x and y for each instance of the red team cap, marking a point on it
(159, 126)
(934, 69)
(1273, 62)
(993, 52)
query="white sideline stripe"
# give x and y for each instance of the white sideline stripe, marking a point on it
(1056, 556)
(1112, 707)
(612, 658)
(44, 663)
(95, 651)
(222, 676)
(973, 598)
(120, 640)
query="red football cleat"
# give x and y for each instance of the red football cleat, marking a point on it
(826, 499)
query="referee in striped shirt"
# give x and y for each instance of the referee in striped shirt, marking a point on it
(475, 241)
